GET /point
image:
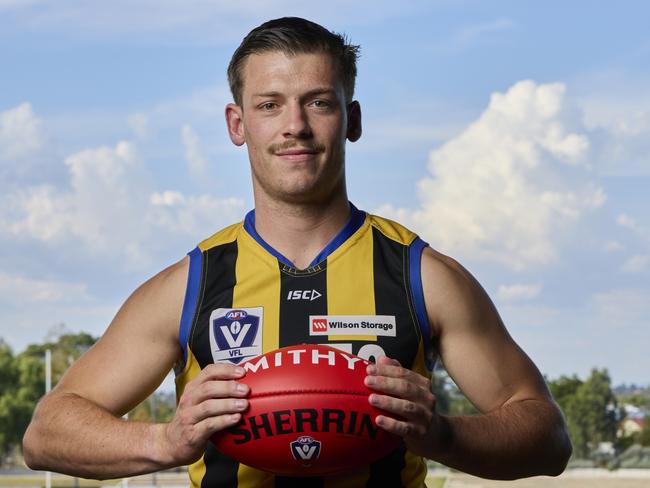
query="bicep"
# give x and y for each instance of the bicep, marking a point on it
(137, 350)
(475, 347)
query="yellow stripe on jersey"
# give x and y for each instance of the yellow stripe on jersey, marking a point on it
(392, 229)
(227, 234)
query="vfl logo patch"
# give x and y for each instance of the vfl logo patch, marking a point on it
(235, 334)
(305, 449)
(376, 325)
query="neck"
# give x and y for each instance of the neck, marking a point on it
(300, 231)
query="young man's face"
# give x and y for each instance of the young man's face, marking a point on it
(294, 121)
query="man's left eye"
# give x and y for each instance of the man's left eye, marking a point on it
(321, 103)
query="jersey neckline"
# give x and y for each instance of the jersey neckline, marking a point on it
(356, 220)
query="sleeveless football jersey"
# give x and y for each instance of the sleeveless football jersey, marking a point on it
(362, 294)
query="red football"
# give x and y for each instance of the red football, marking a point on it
(308, 414)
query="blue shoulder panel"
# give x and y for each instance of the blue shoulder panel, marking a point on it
(191, 298)
(415, 274)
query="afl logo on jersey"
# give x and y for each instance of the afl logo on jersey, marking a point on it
(235, 334)
(237, 315)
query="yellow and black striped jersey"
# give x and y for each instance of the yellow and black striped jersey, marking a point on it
(362, 294)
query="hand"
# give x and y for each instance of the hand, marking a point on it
(408, 396)
(210, 402)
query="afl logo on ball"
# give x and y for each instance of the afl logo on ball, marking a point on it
(235, 334)
(305, 449)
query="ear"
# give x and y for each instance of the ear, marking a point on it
(235, 123)
(354, 122)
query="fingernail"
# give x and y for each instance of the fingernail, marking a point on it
(370, 380)
(374, 399)
(234, 417)
(371, 369)
(240, 404)
(242, 388)
(240, 371)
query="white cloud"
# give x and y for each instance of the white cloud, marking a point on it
(192, 215)
(614, 246)
(112, 210)
(22, 142)
(624, 308)
(510, 293)
(616, 109)
(470, 34)
(628, 222)
(636, 264)
(190, 21)
(507, 188)
(16, 290)
(140, 125)
(196, 161)
(21, 132)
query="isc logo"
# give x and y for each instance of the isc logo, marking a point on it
(303, 295)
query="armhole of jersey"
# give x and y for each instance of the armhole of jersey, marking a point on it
(191, 298)
(415, 277)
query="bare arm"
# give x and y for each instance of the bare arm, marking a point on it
(78, 429)
(520, 431)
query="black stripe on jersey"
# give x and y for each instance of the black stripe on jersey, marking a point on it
(221, 472)
(387, 471)
(302, 293)
(295, 482)
(297, 303)
(391, 284)
(217, 292)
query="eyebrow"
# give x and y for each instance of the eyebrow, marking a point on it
(310, 93)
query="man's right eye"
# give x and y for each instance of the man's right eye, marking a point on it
(268, 106)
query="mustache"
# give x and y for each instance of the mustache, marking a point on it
(311, 146)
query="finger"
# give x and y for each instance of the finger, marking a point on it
(386, 360)
(211, 425)
(215, 408)
(396, 371)
(220, 371)
(399, 387)
(218, 389)
(405, 409)
(400, 427)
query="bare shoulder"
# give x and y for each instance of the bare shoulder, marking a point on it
(139, 347)
(451, 292)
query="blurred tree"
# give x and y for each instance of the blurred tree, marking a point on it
(644, 435)
(22, 381)
(592, 413)
(440, 387)
(158, 407)
(563, 389)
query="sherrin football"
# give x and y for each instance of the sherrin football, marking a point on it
(308, 414)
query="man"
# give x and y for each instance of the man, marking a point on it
(304, 251)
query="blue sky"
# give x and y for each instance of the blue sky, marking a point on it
(514, 136)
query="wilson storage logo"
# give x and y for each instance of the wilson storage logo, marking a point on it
(377, 325)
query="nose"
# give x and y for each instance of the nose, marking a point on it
(297, 123)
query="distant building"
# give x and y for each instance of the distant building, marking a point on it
(631, 426)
